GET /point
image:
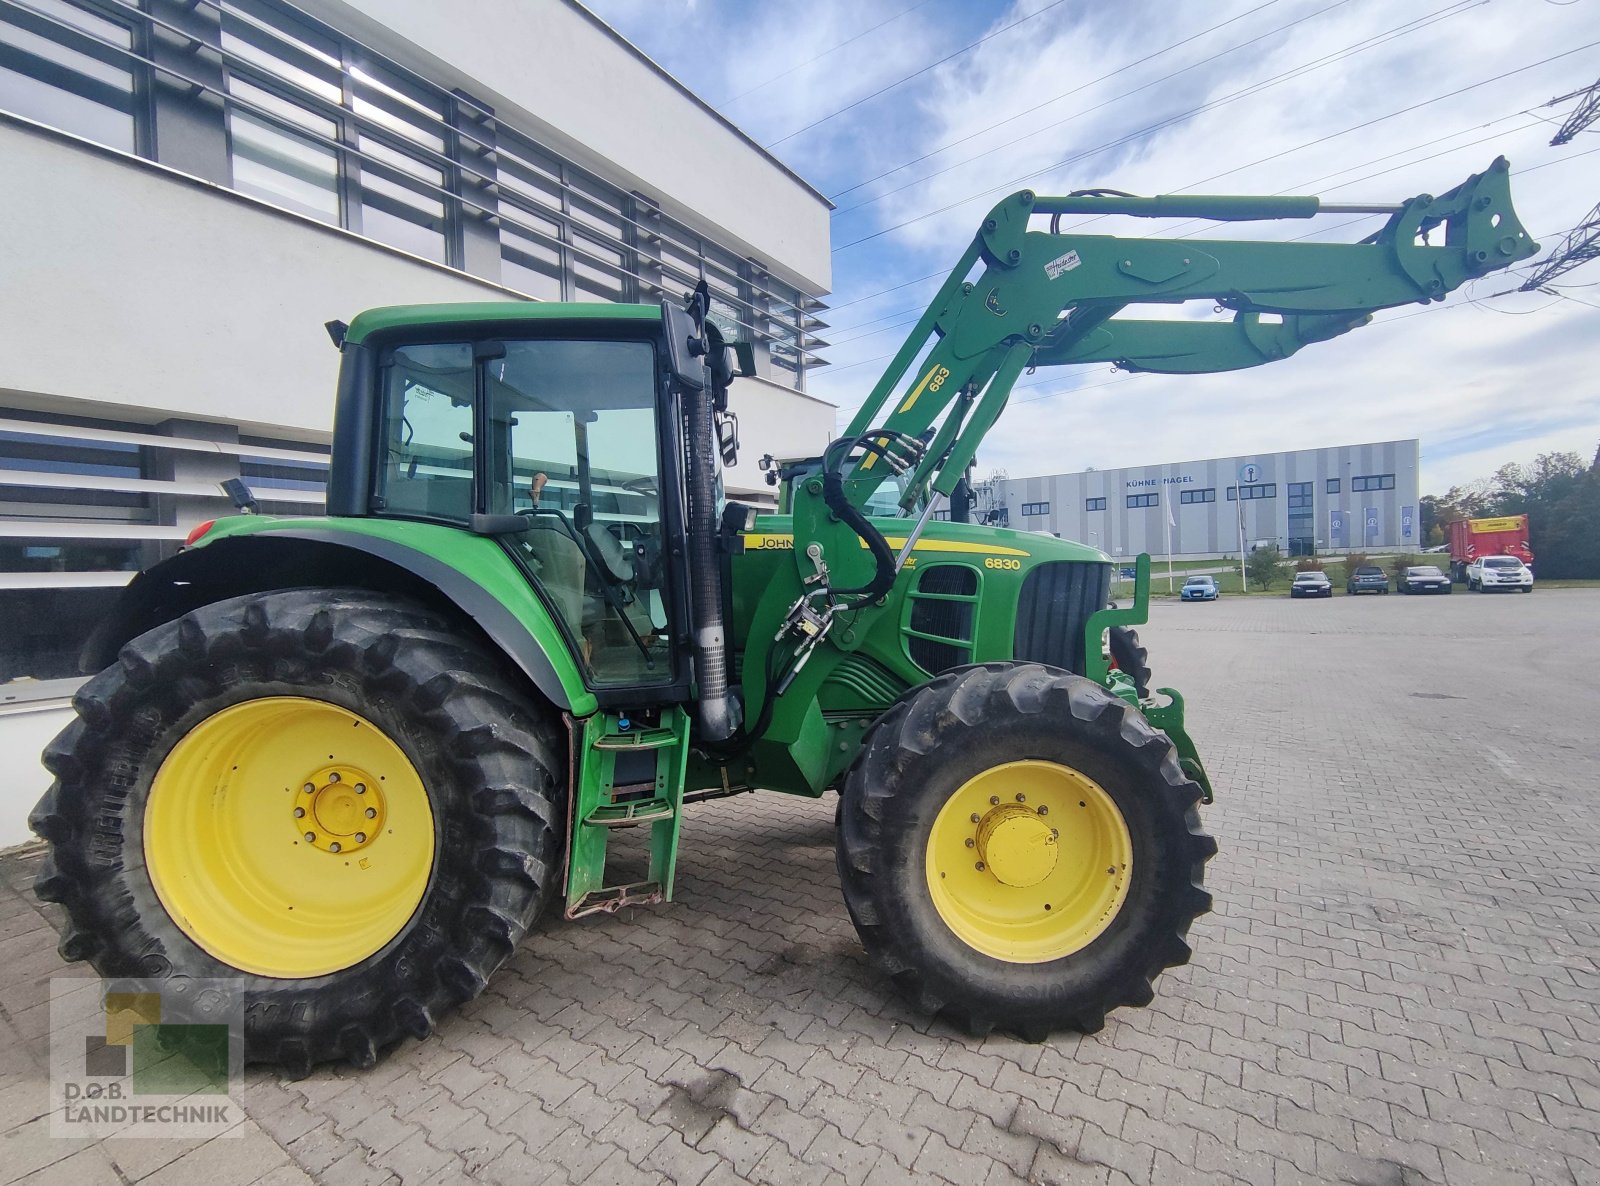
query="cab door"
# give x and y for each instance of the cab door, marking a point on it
(566, 447)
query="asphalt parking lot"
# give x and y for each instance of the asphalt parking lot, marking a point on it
(1399, 983)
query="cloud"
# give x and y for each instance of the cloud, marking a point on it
(1289, 96)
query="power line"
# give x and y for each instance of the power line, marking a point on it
(1592, 220)
(1205, 224)
(823, 54)
(1413, 26)
(1405, 164)
(1093, 82)
(884, 291)
(914, 74)
(1584, 114)
(833, 309)
(1580, 245)
(1460, 5)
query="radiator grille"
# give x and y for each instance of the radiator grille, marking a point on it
(939, 628)
(1056, 600)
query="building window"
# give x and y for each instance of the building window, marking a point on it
(1094, 504)
(1035, 508)
(1372, 482)
(1302, 532)
(1143, 500)
(1209, 494)
(90, 497)
(69, 65)
(1333, 485)
(1268, 490)
(319, 125)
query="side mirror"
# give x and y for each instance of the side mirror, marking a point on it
(480, 524)
(728, 437)
(686, 346)
(745, 352)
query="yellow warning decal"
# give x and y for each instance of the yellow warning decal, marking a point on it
(955, 545)
(932, 381)
(773, 542)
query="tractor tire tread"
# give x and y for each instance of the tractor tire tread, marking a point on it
(495, 768)
(966, 699)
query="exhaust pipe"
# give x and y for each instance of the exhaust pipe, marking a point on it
(718, 711)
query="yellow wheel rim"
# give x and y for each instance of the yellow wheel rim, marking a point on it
(1029, 861)
(288, 837)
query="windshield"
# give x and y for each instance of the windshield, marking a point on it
(885, 500)
(1198, 581)
(1502, 562)
(1369, 572)
(1310, 578)
(1426, 571)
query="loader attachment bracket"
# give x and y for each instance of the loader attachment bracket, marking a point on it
(1167, 717)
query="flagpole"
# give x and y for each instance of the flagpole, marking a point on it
(1238, 508)
(1170, 526)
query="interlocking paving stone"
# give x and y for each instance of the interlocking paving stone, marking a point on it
(1400, 982)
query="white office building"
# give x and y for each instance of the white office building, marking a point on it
(1341, 498)
(194, 187)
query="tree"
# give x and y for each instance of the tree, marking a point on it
(1519, 489)
(1566, 531)
(1558, 492)
(1541, 491)
(1264, 565)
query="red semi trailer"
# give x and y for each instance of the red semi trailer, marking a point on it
(1471, 538)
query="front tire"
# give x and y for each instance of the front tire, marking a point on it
(1075, 887)
(335, 799)
(1130, 657)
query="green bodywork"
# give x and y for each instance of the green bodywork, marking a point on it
(1040, 299)
(479, 559)
(442, 319)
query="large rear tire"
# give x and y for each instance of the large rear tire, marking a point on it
(1020, 848)
(335, 799)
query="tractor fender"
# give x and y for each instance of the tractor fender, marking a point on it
(307, 557)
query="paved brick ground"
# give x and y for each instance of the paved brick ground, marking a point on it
(1399, 984)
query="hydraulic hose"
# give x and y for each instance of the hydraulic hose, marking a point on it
(838, 502)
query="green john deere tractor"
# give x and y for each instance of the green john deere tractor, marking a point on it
(345, 762)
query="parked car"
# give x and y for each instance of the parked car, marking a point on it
(1311, 584)
(1424, 578)
(1368, 578)
(1199, 588)
(1499, 572)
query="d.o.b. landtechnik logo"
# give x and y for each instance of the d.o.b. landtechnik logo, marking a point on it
(144, 1058)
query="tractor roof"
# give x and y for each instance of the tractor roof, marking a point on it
(403, 317)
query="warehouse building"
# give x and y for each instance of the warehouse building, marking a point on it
(194, 187)
(1338, 499)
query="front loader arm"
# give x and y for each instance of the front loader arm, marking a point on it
(1053, 298)
(1199, 347)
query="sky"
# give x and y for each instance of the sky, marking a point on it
(916, 117)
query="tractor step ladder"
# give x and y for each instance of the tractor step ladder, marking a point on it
(630, 775)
